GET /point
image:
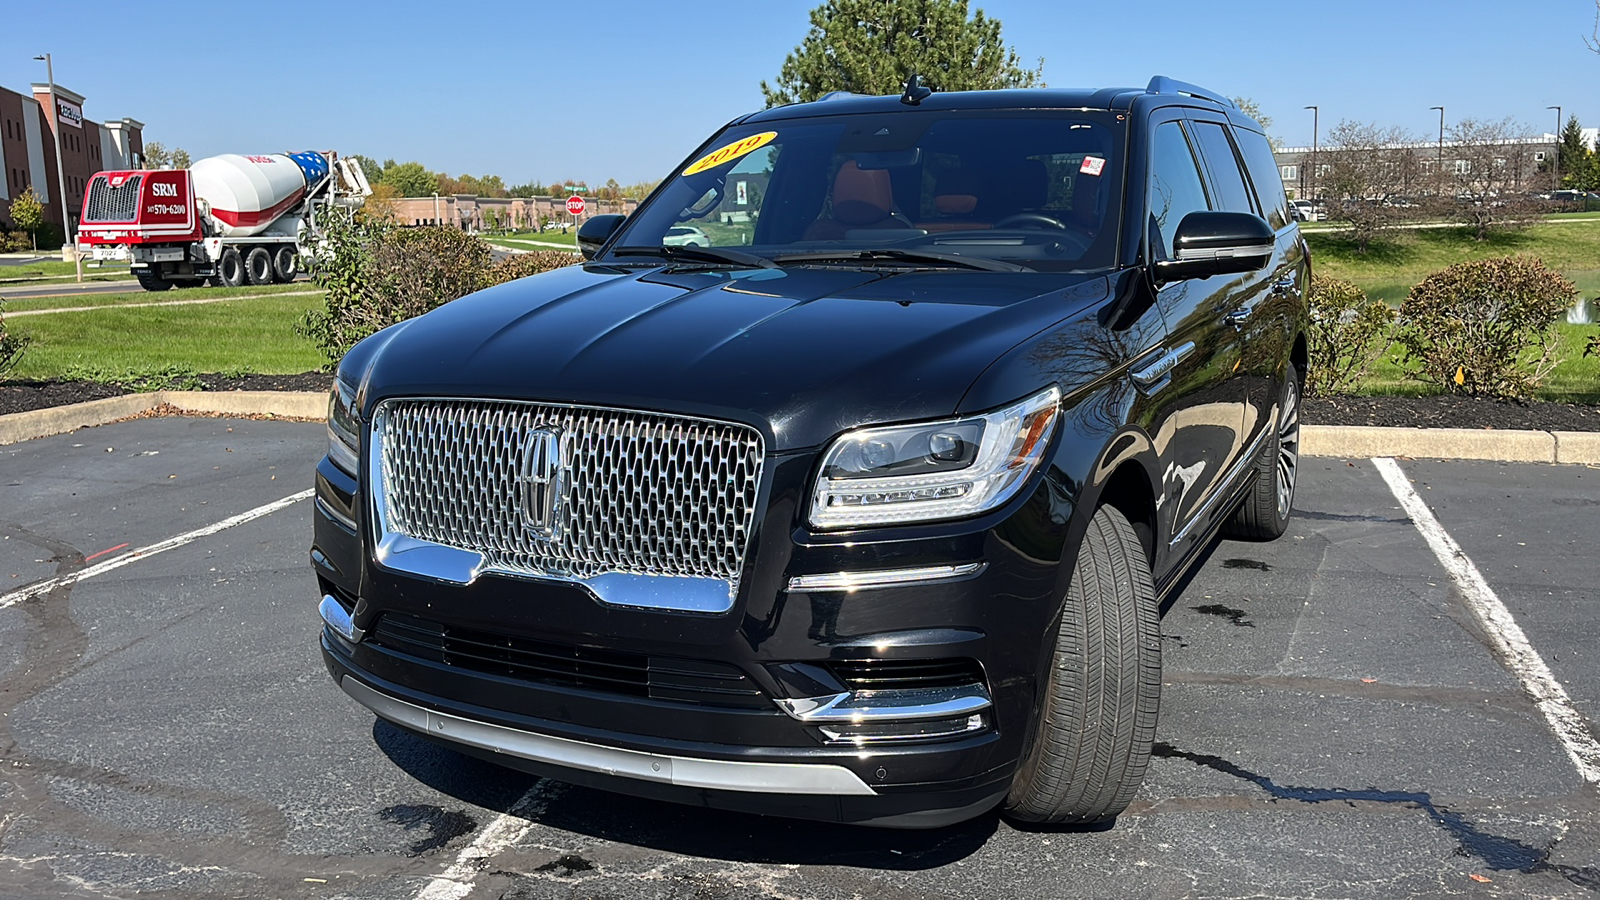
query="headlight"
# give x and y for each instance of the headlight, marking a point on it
(935, 470)
(344, 427)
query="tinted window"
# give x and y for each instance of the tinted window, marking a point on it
(1264, 173)
(1040, 189)
(1233, 195)
(1175, 187)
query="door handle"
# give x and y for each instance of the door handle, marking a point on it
(1238, 317)
(1158, 369)
(1283, 286)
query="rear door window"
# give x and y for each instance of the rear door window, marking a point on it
(1264, 175)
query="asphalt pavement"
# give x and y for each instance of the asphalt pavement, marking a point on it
(1336, 721)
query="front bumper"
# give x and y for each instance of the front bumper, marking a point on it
(790, 754)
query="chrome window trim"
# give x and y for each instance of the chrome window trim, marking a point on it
(882, 578)
(683, 771)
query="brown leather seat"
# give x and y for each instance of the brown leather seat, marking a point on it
(862, 198)
(956, 194)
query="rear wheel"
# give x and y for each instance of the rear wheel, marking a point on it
(231, 268)
(285, 264)
(1264, 514)
(150, 281)
(258, 265)
(1097, 721)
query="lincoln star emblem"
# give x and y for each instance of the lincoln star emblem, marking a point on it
(542, 478)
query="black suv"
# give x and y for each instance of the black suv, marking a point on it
(866, 510)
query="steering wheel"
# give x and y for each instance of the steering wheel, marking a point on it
(1031, 220)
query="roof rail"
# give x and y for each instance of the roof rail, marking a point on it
(1161, 84)
(840, 95)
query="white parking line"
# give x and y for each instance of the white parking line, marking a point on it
(506, 829)
(39, 588)
(1509, 641)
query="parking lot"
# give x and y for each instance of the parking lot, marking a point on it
(1336, 720)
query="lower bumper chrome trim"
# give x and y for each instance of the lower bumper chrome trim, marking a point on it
(889, 705)
(334, 616)
(684, 771)
(851, 581)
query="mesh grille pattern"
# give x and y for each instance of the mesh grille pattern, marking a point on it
(644, 494)
(113, 204)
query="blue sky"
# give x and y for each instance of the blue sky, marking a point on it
(626, 88)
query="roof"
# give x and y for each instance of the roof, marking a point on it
(840, 103)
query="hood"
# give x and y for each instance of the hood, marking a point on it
(801, 353)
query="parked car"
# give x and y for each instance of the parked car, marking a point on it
(870, 519)
(685, 236)
(1307, 211)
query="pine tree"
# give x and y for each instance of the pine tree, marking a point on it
(872, 46)
(1573, 156)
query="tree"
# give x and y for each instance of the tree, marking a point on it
(369, 168)
(410, 179)
(380, 204)
(180, 158)
(1486, 180)
(531, 189)
(1370, 170)
(1253, 110)
(557, 189)
(28, 213)
(872, 46)
(1572, 155)
(157, 156)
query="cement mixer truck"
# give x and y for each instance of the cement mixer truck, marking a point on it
(226, 220)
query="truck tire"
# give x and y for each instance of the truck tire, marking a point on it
(151, 281)
(231, 268)
(1096, 721)
(258, 265)
(285, 264)
(1265, 512)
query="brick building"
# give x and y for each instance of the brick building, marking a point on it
(473, 213)
(28, 155)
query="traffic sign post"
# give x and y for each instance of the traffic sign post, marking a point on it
(575, 209)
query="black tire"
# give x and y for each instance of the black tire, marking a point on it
(1097, 717)
(285, 264)
(231, 268)
(214, 280)
(1264, 514)
(258, 265)
(150, 281)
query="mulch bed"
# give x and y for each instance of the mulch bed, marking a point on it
(1401, 412)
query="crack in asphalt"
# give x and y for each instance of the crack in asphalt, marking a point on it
(1495, 851)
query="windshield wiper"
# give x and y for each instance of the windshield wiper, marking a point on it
(898, 254)
(699, 254)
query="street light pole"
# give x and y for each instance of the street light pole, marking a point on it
(1440, 161)
(1557, 185)
(61, 174)
(1315, 114)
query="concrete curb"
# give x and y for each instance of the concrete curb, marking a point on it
(25, 426)
(1349, 441)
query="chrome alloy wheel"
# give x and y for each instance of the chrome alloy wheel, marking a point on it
(1288, 444)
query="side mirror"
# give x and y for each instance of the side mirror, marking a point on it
(1217, 243)
(594, 232)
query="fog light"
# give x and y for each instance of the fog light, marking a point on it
(916, 729)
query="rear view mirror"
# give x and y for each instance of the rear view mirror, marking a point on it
(1217, 243)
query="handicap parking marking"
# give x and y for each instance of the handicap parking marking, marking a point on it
(1510, 644)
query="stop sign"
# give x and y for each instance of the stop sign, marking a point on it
(575, 205)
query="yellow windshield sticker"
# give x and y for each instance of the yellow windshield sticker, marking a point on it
(731, 152)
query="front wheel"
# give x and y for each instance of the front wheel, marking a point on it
(151, 281)
(1097, 719)
(1264, 514)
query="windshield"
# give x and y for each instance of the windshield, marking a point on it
(1037, 189)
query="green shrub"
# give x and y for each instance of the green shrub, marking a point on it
(11, 345)
(522, 265)
(377, 274)
(1485, 327)
(15, 242)
(1349, 331)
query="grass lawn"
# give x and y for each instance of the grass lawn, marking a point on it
(244, 336)
(208, 293)
(521, 239)
(1576, 378)
(1388, 270)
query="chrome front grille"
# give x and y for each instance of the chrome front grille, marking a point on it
(113, 204)
(628, 494)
